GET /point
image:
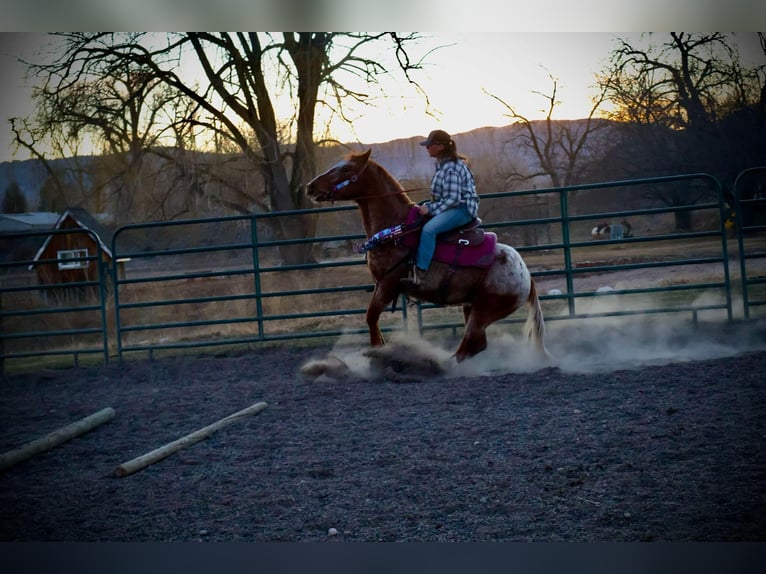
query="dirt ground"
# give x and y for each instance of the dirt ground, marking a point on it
(633, 436)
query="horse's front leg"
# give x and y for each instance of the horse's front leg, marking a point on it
(380, 298)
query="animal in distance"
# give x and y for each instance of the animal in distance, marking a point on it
(612, 230)
(489, 288)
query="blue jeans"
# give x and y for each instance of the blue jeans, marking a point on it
(444, 221)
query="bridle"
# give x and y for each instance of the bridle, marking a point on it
(354, 178)
(345, 182)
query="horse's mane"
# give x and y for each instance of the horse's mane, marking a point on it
(386, 182)
(385, 177)
(384, 174)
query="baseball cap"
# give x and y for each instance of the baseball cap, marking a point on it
(437, 137)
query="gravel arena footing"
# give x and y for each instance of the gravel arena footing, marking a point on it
(656, 444)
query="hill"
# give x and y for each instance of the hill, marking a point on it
(493, 152)
(490, 150)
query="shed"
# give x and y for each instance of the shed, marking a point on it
(63, 254)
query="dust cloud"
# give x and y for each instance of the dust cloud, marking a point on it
(593, 345)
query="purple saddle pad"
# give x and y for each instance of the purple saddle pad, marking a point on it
(453, 252)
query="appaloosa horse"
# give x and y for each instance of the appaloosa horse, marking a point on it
(489, 279)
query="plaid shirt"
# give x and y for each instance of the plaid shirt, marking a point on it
(453, 185)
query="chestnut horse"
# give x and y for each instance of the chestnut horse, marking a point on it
(487, 293)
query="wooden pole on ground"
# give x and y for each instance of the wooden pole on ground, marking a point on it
(158, 454)
(28, 450)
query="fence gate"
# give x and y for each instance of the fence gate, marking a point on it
(54, 307)
(750, 219)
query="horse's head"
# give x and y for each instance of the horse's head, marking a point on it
(341, 182)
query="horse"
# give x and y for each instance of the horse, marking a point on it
(490, 285)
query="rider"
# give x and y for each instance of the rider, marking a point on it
(454, 202)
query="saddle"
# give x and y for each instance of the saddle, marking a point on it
(469, 235)
(466, 246)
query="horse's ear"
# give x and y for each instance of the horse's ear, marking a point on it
(365, 156)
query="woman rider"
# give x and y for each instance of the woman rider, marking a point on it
(454, 203)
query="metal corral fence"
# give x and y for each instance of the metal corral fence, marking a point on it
(55, 318)
(750, 208)
(221, 282)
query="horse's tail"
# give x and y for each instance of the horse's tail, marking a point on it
(534, 327)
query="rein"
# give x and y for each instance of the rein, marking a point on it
(387, 235)
(354, 178)
(341, 185)
(411, 190)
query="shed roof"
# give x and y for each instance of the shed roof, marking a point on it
(15, 222)
(84, 220)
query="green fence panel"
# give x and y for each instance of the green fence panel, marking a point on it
(588, 303)
(238, 281)
(54, 312)
(233, 289)
(750, 219)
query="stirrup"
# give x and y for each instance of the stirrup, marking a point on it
(418, 276)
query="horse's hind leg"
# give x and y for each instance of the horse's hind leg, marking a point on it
(474, 339)
(467, 307)
(479, 315)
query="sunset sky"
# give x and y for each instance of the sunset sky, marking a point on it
(457, 78)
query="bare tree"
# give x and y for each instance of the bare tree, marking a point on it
(118, 106)
(688, 105)
(243, 74)
(687, 81)
(560, 147)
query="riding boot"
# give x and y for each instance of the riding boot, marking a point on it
(421, 280)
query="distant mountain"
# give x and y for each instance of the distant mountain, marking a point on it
(406, 159)
(488, 148)
(492, 150)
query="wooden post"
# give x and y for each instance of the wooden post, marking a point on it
(55, 438)
(158, 454)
